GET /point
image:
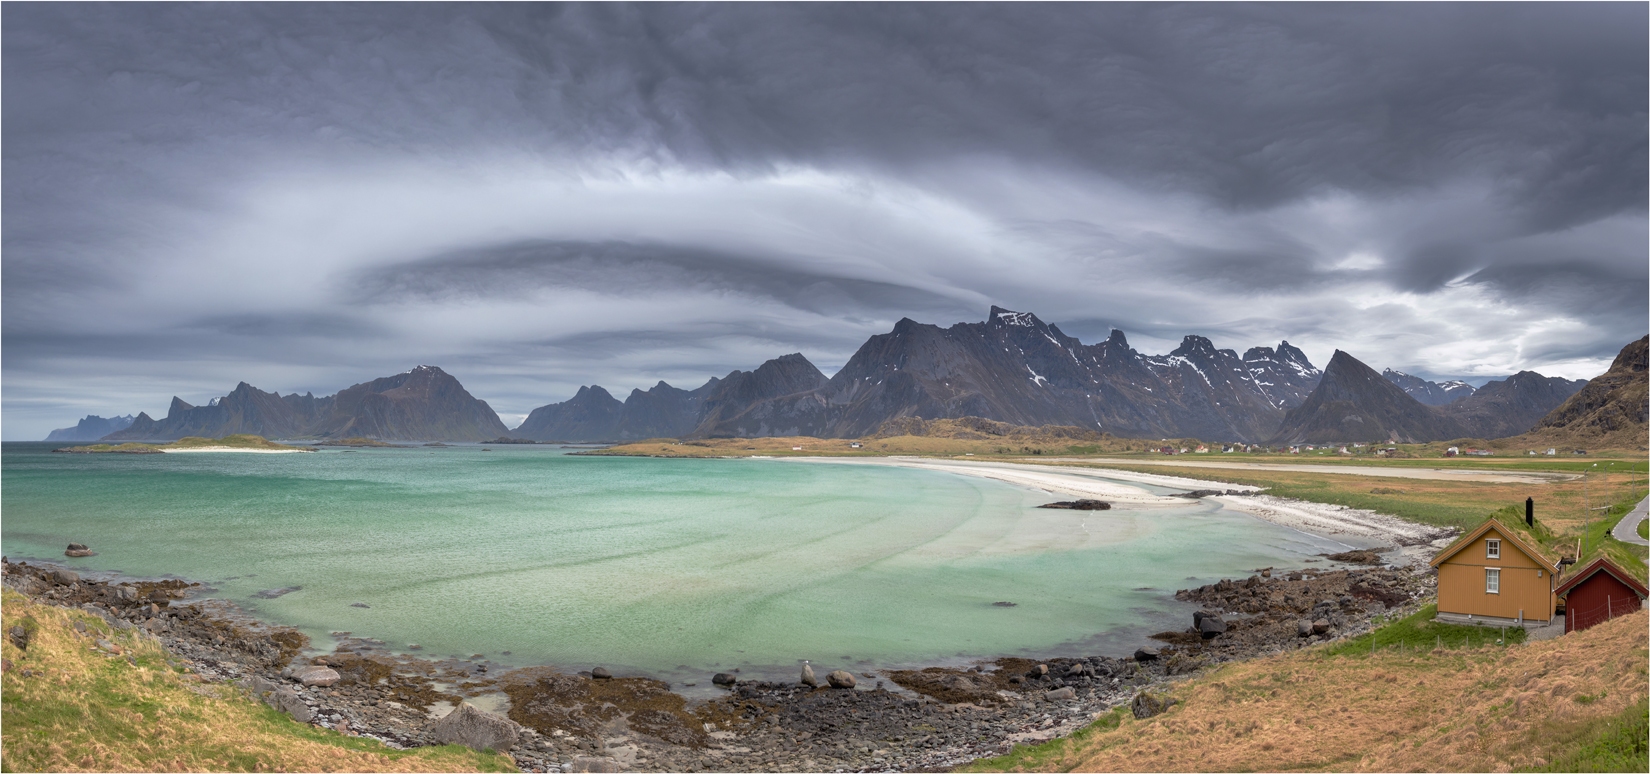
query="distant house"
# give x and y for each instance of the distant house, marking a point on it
(1452, 451)
(1491, 576)
(1202, 450)
(1598, 592)
(1551, 452)
(854, 445)
(1479, 453)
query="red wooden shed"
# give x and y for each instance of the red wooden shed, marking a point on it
(1598, 592)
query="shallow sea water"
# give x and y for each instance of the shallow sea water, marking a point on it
(674, 568)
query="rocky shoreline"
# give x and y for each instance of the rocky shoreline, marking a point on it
(917, 720)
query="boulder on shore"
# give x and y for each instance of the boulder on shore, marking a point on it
(840, 679)
(808, 678)
(1143, 655)
(1211, 627)
(1147, 705)
(723, 678)
(601, 673)
(476, 729)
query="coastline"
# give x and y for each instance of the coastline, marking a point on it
(231, 450)
(920, 719)
(1411, 544)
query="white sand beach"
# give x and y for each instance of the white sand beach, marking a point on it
(1412, 543)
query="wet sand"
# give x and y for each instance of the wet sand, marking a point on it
(1412, 543)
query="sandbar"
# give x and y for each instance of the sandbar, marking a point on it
(1412, 543)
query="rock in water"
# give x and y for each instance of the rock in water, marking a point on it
(1147, 705)
(76, 549)
(840, 679)
(723, 678)
(808, 678)
(476, 729)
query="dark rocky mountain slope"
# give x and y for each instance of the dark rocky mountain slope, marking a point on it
(1354, 403)
(91, 428)
(1512, 405)
(595, 415)
(1611, 409)
(1428, 392)
(425, 403)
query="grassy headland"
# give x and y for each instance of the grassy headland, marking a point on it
(1576, 703)
(70, 704)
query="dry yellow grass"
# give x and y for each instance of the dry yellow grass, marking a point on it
(80, 709)
(1490, 710)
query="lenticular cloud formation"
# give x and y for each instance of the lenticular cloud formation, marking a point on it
(543, 196)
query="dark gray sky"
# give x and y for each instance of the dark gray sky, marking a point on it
(535, 197)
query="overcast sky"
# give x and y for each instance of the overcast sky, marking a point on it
(535, 197)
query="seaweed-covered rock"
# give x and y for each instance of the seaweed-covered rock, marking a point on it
(1146, 705)
(840, 679)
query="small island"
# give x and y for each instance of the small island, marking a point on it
(256, 444)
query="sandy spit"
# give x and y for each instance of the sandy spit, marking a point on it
(1414, 543)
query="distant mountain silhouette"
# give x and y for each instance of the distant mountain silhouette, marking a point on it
(91, 428)
(425, 403)
(1430, 393)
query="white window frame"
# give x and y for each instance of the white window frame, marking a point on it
(1492, 549)
(1492, 580)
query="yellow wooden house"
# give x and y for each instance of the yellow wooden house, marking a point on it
(1492, 577)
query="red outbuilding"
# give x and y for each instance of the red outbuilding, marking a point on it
(1598, 592)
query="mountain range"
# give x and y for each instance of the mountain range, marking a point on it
(91, 428)
(1430, 393)
(1353, 402)
(425, 403)
(1011, 367)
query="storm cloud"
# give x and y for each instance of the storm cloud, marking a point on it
(538, 196)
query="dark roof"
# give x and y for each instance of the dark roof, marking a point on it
(1598, 565)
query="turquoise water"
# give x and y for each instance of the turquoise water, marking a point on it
(670, 567)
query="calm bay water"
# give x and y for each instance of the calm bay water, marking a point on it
(673, 567)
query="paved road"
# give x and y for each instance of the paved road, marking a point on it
(1627, 530)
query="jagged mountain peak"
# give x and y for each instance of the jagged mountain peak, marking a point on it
(594, 391)
(1000, 317)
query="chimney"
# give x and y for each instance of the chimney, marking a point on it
(1529, 511)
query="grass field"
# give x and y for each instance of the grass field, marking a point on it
(67, 705)
(1576, 703)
